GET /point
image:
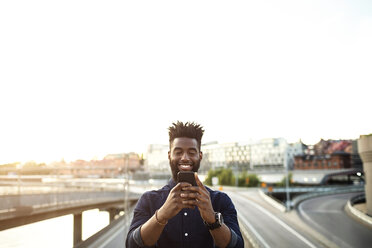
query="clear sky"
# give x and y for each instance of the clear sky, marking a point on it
(80, 79)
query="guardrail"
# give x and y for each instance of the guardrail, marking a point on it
(358, 199)
(115, 232)
(28, 199)
(52, 184)
(319, 192)
(297, 189)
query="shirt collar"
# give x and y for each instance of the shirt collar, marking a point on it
(171, 183)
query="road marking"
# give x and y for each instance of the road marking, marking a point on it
(253, 230)
(299, 236)
(319, 227)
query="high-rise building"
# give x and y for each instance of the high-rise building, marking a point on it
(231, 155)
(267, 154)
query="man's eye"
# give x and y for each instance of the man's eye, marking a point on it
(178, 153)
(192, 152)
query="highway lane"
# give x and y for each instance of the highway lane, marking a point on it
(267, 229)
(327, 215)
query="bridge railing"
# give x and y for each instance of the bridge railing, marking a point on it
(314, 189)
(20, 185)
(326, 191)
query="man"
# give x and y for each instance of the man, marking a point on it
(182, 215)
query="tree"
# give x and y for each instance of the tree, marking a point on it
(226, 177)
(282, 183)
(248, 180)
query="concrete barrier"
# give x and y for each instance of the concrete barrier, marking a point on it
(272, 202)
(357, 214)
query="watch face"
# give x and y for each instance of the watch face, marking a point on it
(220, 218)
(217, 224)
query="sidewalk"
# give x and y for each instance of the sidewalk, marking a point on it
(362, 207)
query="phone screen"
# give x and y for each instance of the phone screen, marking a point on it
(186, 176)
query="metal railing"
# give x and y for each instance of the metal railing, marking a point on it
(55, 184)
(326, 191)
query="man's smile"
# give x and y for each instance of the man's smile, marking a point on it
(185, 167)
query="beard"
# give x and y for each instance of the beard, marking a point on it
(174, 168)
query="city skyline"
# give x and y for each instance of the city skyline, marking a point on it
(144, 152)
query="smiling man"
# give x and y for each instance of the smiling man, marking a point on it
(182, 215)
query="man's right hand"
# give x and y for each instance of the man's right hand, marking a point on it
(152, 229)
(173, 205)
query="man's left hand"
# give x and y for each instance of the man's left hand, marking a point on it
(199, 196)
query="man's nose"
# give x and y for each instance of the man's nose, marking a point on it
(185, 156)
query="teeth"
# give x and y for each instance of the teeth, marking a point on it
(185, 166)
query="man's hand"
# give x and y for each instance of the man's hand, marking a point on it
(152, 229)
(174, 203)
(199, 196)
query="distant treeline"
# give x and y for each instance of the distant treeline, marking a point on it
(227, 177)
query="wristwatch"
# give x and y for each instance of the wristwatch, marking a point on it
(218, 223)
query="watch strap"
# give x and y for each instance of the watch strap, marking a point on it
(216, 224)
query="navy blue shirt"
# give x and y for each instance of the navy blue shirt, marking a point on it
(186, 229)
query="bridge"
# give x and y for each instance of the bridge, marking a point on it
(39, 198)
(31, 199)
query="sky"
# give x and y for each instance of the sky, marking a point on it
(82, 79)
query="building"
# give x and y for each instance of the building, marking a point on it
(327, 155)
(121, 160)
(265, 155)
(336, 160)
(112, 165)
(157, 158)
(230, 155)
(356, 161)
(275, 154)
(294, 149)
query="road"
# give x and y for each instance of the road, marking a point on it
(268, 228)
(327, 215)
(272, 228)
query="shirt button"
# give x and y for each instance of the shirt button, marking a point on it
(186, 234)
(185, 214)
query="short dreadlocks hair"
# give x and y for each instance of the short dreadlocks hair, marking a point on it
(188, 130)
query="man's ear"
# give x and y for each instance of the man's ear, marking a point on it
(169, 155)
(200, 155)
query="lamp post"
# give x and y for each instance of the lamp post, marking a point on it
(288, 206)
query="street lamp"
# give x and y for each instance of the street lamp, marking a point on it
(288, 207)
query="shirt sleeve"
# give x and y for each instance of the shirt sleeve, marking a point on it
(233, 240)
(141, 214)
(134, 239)
(229, 214)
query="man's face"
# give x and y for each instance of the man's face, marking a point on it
(184, 155)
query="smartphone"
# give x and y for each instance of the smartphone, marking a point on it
(186, 176)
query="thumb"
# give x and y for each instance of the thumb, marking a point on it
(198, 182)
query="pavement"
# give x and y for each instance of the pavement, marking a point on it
(292, 217)
(294, 220)
(362, 207)
(359, 213)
